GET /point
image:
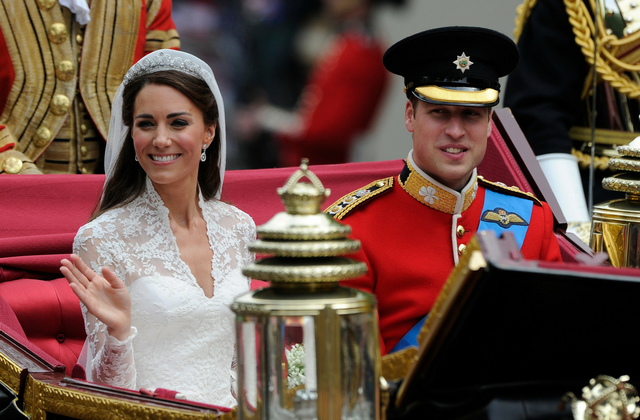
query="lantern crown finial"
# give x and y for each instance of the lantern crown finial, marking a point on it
(301, 197)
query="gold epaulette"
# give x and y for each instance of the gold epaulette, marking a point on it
(500, 187)
(345, 204)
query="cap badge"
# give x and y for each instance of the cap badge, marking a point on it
(463, 62)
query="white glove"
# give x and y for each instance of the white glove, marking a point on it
(561, 170)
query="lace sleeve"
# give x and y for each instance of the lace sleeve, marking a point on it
(108, 360)
(248, 236)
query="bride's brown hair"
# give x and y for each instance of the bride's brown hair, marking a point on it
(128, 180)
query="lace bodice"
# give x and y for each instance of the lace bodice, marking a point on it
(181, 340)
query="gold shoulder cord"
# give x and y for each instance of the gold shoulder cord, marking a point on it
(608, 67)
(522, 15)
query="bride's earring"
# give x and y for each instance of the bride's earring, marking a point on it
(203, 156)
(136, 158)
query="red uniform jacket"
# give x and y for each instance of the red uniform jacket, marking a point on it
(339, 102)
(410, 236)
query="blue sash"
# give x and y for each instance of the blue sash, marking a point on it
(500, 212)
(506, 213)
(410, 338)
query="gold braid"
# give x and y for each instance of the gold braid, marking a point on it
(584, 160)
(583, 28)
(522, 15)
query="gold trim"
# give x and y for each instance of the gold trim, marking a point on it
(10, 373)
(328, 270)
(153, 7)
(302, 248)
(511, 190)
(628, 151)
(620, 164)
(612, 63)
(617, 183)
(522, 15)
(342, 206)
(396, 365)
(602, 136)
(28, 104)
(107, 54)
(41, 398)
(433, 196)
(156, 40)
(584, 160)
(437, 93)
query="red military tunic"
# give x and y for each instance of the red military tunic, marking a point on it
(411, 228)
(339, 102)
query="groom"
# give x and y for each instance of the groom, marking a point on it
(413, 227)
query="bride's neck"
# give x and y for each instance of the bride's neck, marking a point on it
(182, 204)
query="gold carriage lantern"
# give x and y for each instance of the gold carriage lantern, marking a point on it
(307, 347)
(615, 224)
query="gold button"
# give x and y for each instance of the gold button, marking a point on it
(46, 4)
(80, 106)
(83, 129)
(380, 184)
(83, 150)
(83, 170)
(462, 248)
(79, 39)
(12, 165)
(58, 33)
(42, 137)
(65, 70)
(460, 231)
(60, 104)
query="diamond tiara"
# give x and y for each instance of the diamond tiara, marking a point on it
(163, 61)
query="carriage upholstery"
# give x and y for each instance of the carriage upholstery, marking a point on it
(41, 214)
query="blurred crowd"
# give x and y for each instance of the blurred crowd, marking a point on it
(299, 78)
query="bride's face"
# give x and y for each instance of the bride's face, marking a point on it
(168, 135)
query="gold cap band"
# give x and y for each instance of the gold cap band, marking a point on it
(486, 96)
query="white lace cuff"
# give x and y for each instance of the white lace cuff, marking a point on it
(116, 364)
(113, 344)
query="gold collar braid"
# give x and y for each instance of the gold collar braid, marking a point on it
(435, 195)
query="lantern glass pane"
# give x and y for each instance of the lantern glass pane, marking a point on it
(359, 338)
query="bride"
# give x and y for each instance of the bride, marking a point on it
(169, 252)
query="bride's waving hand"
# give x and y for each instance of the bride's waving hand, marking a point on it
(106, 296)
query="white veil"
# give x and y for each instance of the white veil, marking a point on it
(157, 61)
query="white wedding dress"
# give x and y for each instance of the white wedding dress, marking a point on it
(181, 340)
